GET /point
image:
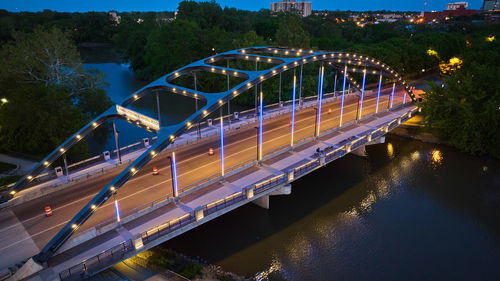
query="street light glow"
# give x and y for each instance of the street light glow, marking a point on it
(4, 100)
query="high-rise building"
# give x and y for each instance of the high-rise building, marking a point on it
(303, 8)
(457, 5)
(491, 6)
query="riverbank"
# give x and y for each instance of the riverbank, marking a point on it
(169, 263)
(415, 129)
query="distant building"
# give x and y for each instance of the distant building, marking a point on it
(303, 8)
(491, 6)
(457, 5)
(456, 9)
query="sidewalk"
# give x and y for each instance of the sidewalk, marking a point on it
(23, 165)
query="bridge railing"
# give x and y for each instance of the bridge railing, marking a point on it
(102, 260)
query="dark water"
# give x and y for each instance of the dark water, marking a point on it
(408, 211)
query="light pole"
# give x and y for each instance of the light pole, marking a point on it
(117, 142)
(173, 174)
(362, 95)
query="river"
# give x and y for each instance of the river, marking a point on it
(408, 211)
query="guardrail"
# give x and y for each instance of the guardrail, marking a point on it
(104, 259)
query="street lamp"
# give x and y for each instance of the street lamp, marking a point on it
(4, 100)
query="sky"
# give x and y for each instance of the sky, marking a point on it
(254, 5)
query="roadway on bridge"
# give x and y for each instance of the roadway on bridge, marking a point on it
(25, 229)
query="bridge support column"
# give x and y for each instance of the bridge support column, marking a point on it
(198, 213)
(264, 200)
(322, 159)
(290, 175)
(250, 191)
(138, 243)
(360, 151)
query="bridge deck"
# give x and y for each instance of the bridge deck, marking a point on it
(271, 167)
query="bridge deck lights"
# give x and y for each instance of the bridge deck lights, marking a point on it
(188, 124)
(184, 91)
(246, 57)
(235, 73)
(94, 124)
(136, 96)
(113, 188)
(78, 136)
(195, 95)
(223, 71)
(285, 67)
(261, 77)
(177, 74)
(13, 192)
(61, 150)
(74, 226)
(274, 71)
(133, 170)
(311, 51)
(275, 51)
(46, 163)
(153, 153)
(243, 51)
(286, 52)
(205, 112)
(30, 177)
(212, 69)
(171, 137)
(258, 58)
(220, 101)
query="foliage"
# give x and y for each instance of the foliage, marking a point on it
(466, 112)
(290, 32)
(50, 94)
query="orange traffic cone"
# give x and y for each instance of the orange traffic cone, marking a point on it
(155, 171)
(48, 211)
(210, 151)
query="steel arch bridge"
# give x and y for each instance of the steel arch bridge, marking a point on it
(283, 58)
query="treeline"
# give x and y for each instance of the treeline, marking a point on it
(156, 43)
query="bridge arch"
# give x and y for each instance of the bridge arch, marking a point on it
(352, 62)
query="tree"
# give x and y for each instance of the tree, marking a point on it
(466, 112)
(50, 95)
(290, 32)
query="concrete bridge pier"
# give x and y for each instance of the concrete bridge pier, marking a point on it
(361, 151)
(264, 200)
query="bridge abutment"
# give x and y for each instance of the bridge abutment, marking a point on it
(264, 200)
(361, 151)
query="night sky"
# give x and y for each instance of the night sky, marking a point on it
(171, 5)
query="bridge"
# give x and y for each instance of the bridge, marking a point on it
(257, 154)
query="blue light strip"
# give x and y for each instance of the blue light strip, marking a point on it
(222, 145)
(293, 108)
(404, 97)
(320, 100)
(343, 94)
(392, 94)
(261, 116)
(378, 94)
(362, 94)
(117, 210)
(174, 176)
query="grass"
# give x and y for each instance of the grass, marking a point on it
(6, 167)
